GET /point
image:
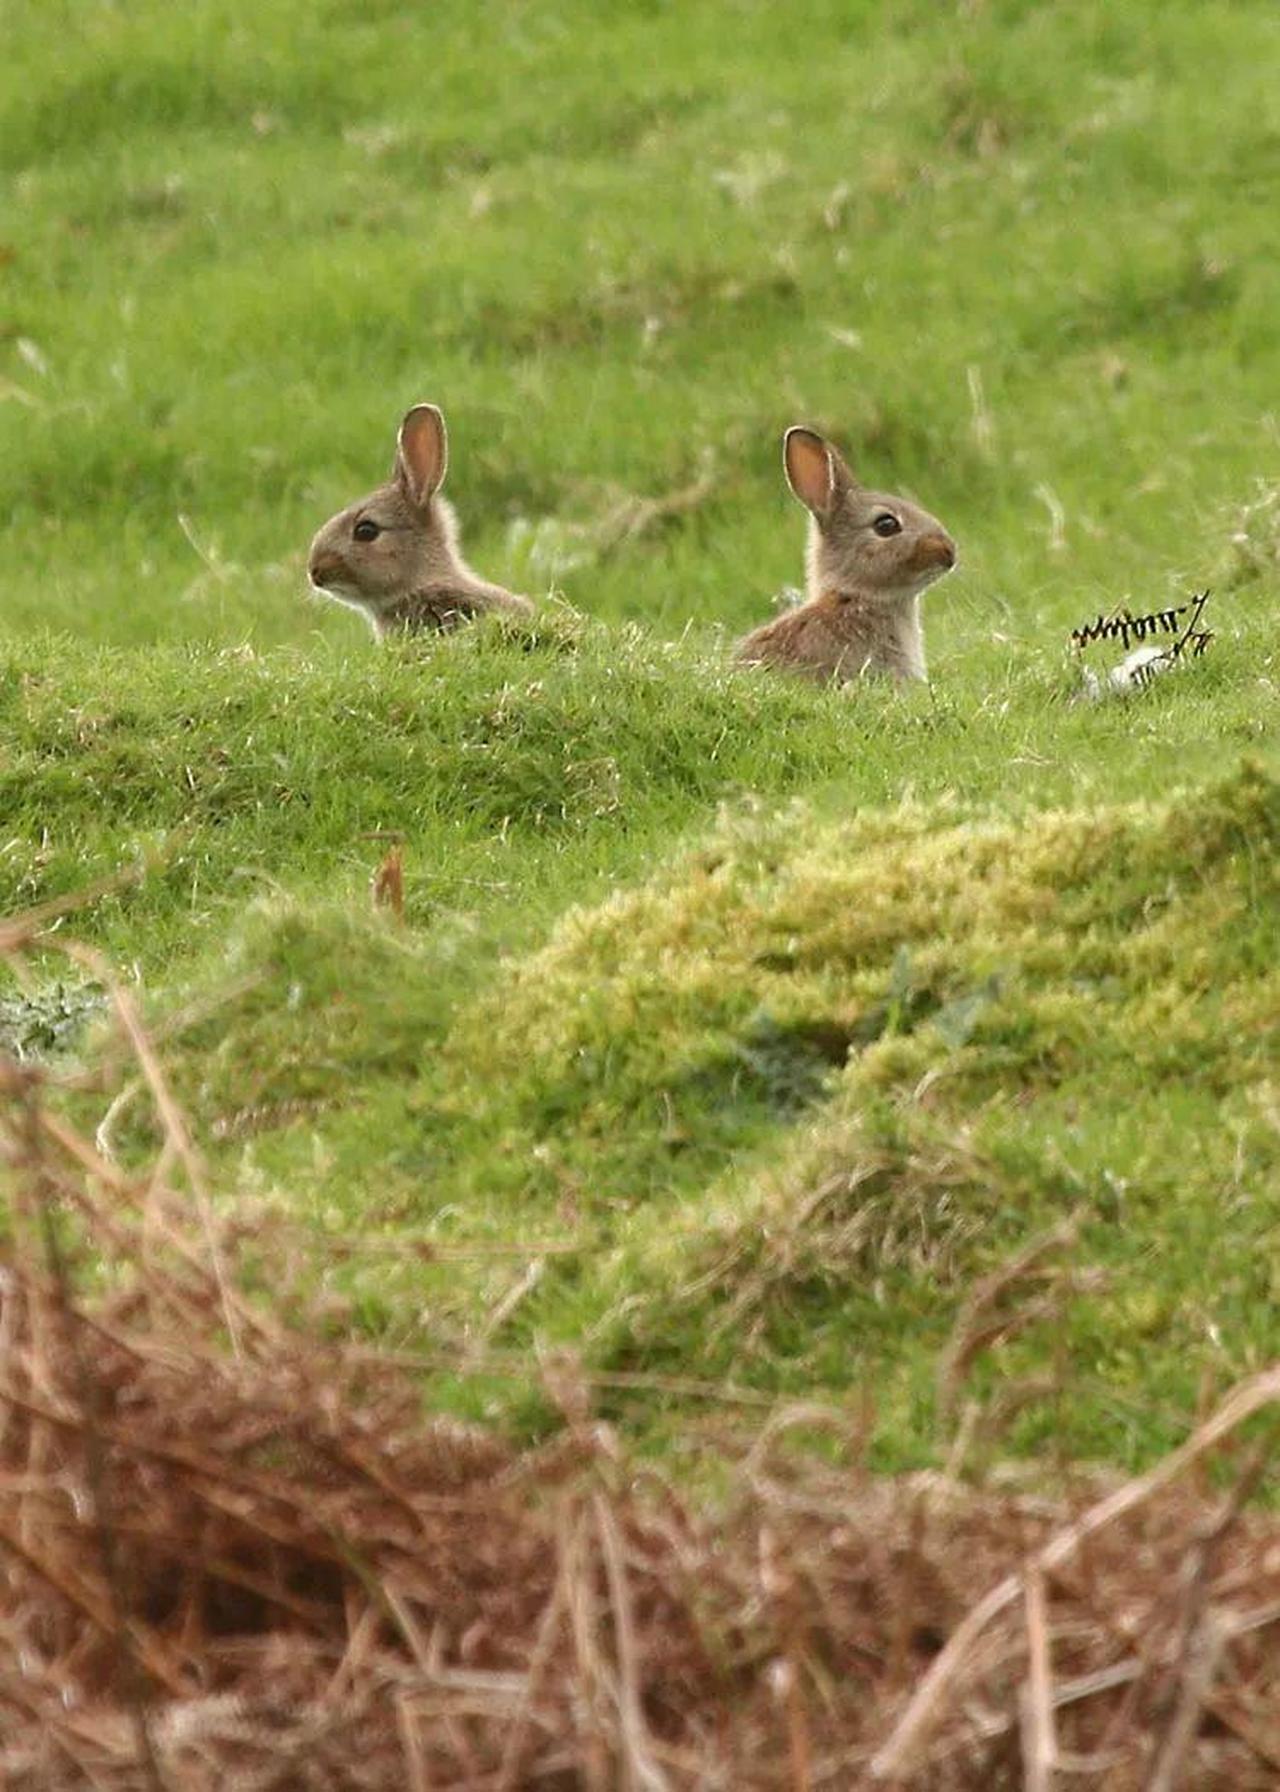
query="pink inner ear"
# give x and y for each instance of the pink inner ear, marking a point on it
(809, 470)
(422, 451)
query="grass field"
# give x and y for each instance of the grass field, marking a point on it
(745, 1027)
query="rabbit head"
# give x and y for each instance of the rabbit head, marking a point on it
(885, 549)
(399, 540)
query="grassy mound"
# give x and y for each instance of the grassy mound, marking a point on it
(768, 1117)
(524, 770)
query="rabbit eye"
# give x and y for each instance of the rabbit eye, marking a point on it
(366, 529)
(887, 524)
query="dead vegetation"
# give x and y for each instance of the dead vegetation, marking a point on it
(235, 1552)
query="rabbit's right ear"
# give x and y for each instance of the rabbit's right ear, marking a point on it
(814, 470)
(422, 453)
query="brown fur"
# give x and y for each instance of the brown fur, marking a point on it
(863, 609)
(411, 577)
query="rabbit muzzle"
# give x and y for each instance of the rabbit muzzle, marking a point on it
(326, 570)
(936, 551)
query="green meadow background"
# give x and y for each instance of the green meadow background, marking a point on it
(734, 1030)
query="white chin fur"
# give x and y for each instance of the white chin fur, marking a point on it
(349, 599)
(341, 594)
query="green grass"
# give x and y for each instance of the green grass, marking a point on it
(1022, 261)
(241, 241)
(779, 1108)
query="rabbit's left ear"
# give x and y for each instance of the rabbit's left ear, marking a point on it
(422, 453)
(815, 472)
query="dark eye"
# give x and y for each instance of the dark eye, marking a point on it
(887, 524)
(366, 529)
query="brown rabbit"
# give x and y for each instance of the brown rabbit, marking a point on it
(394, 555)
(869, 558)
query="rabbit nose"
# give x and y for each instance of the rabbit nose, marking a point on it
(938, 550)
(322, 570)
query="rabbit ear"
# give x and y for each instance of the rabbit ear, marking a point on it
(811, 470)
(422, 453)
(815, 472)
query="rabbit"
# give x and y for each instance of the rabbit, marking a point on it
(869, 558)
(394, 555)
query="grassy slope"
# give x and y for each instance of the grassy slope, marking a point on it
(1071, 1013)
(1019, 257)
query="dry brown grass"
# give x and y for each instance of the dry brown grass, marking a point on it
(236, 1553)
